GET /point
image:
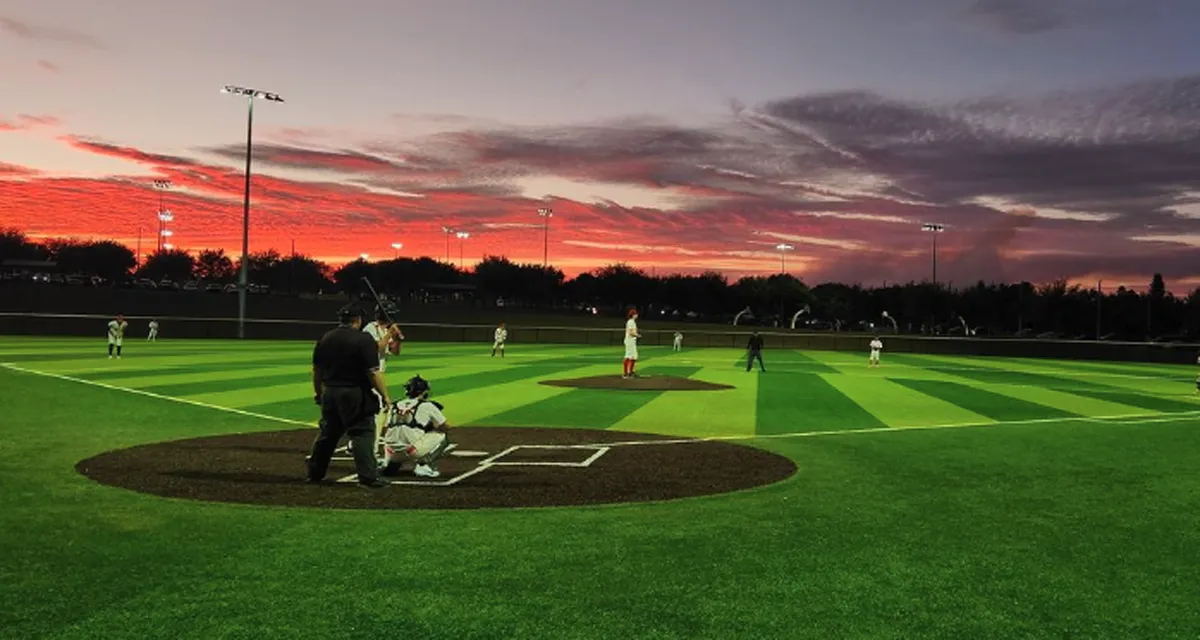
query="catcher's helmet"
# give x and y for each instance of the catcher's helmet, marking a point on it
(416, 387)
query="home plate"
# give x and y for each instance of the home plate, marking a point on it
(469, 454)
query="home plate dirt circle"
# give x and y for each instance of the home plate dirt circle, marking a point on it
(640, 383)
(491, 467)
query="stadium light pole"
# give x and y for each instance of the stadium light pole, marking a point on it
(244, 272)
(783, 248)
(447, 230)
(935, 229)
(462, 235)
(546, 213)
(396, 247)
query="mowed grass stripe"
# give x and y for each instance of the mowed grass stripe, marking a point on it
(728, 412)
(986, 403)
(161, 381)
(452, 386)
(803, 402)
(801, 361)
(587, 408)
(130, 368)
(1070, 401)
(896, 405)
(1104, 392)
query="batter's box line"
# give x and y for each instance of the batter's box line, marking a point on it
(493, 461)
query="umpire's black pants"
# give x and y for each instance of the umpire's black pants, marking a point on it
(346, 411)
(751, 357)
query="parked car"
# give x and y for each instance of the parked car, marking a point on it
(191, 285)
(214, 287)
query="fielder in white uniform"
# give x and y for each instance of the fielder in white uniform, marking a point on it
(631, 349)
(678, 344)
(501, 337)
(153, 335)
(876, 347)
(116, 334)
(416, 431)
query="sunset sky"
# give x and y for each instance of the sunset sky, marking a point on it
(1053, 138)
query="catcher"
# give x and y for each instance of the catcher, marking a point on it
(416, 431)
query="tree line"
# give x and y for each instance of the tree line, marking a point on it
(1055, 309)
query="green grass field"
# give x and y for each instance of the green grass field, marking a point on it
(943, 497)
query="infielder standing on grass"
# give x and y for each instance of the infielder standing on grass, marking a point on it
(876, 347)
(116, 334)
(416, 431)
(501, 336)
(631, 350)
(153, 335)
(678, 344)
(754, 352)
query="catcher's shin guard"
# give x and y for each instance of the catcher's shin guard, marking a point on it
(437, 452)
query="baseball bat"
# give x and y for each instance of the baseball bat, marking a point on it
(378, 302)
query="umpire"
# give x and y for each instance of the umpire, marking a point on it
(754, 352)
(345, 370)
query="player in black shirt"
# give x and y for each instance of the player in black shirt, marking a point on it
(345, 370)
(754, 352)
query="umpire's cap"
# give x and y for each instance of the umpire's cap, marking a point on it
(349, 313)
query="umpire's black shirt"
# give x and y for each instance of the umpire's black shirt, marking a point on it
(344, 355)
(756, 343)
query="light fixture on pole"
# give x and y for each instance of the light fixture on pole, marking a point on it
(935, 229)
(447, 231)
(164, 216)
(546, 213)
(244, 272)
(462, 235)
(396, 247)
(163, 232)
(783, 249)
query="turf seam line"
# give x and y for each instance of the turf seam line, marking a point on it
(151, 394)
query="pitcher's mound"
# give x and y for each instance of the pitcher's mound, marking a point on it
(644, 383)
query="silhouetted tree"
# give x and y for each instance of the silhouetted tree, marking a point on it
(15, 245)
(105, 258)
(214, 265)
(174, 264)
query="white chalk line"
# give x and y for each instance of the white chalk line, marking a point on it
(1122, 419)
(1119, 419)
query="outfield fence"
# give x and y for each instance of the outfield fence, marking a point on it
(47, 324)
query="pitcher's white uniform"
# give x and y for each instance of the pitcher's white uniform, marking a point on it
(153, 335)
(876, 347)
(501, 336)
(678, 341)
(631, 334)
(410, 433)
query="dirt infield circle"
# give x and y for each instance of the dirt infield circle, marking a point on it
(640, 383)
(492, 467)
